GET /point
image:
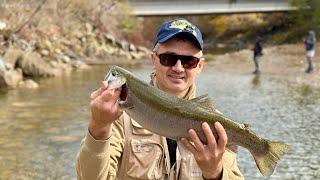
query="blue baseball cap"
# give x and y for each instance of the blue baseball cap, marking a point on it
(179, 27)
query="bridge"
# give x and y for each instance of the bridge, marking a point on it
(195, 7)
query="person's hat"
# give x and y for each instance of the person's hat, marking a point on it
(179, 27)
(312, 32)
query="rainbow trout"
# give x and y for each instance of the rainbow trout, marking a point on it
(172, 117)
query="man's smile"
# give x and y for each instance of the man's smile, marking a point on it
(176, 76)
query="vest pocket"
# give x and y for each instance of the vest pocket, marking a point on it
(145, 160)
(189, 169)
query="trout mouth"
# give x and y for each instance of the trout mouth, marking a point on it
(124, 93)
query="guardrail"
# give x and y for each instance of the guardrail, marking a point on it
(180, 7)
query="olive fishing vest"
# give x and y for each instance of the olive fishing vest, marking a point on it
(146, 156)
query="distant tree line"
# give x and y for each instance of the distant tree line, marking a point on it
(308, 14)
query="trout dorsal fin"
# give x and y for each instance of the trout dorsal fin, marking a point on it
(204, 101)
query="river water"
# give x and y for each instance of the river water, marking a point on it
(40, 130)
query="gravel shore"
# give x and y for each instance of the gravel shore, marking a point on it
(288, 61)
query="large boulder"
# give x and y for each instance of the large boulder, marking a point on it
(90, 50)
(132, 48)
(3, 25)
(61, 67)
(143, 50)
(32, 65)
(2, 66)
(11, 78)
(2, 82)
(110, 39)
(2, 71)
(137, 55)
(126, 54)
(79, 64)
(28, 84)
(89, 28)
(12, 56)
(124, 45)
(111, 50)
(23, 44)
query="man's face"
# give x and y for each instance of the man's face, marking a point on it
(176, 79)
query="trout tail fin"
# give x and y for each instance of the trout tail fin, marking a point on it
(267, 161)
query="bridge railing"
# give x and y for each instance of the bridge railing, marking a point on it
(176, 7)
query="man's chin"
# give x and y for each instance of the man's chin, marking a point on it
(177, 87)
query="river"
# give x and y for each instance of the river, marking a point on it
(41, 129)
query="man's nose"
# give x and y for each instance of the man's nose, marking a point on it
(178, 67)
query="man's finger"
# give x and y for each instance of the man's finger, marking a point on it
(96, 93)
(197, 142)
(110, 95)
(211, 140)
(117, 93)
(223, 138)
(188, 145)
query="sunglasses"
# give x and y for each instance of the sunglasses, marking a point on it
(169, 60)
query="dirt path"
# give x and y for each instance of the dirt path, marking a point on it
(285, 60)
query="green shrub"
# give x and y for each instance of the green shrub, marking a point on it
(127, 23)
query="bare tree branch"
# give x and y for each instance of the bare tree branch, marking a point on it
(113, 3)
(31, 16)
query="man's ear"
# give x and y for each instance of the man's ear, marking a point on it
(153, 57)
(201, 65)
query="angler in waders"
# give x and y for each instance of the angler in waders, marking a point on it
(310, 50)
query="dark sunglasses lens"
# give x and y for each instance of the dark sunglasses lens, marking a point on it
(171, 59)
(168, 59)
(189, 62)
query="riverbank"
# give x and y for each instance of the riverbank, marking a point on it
(61, 37)
(47, 55)
(283, 60)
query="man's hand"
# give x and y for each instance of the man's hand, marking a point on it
(104, 111)
(208, 156)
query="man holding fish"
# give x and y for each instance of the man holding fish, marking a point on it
(118, 147)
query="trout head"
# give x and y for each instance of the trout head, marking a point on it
(116, 79)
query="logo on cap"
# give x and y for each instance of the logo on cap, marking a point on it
(184, 26)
